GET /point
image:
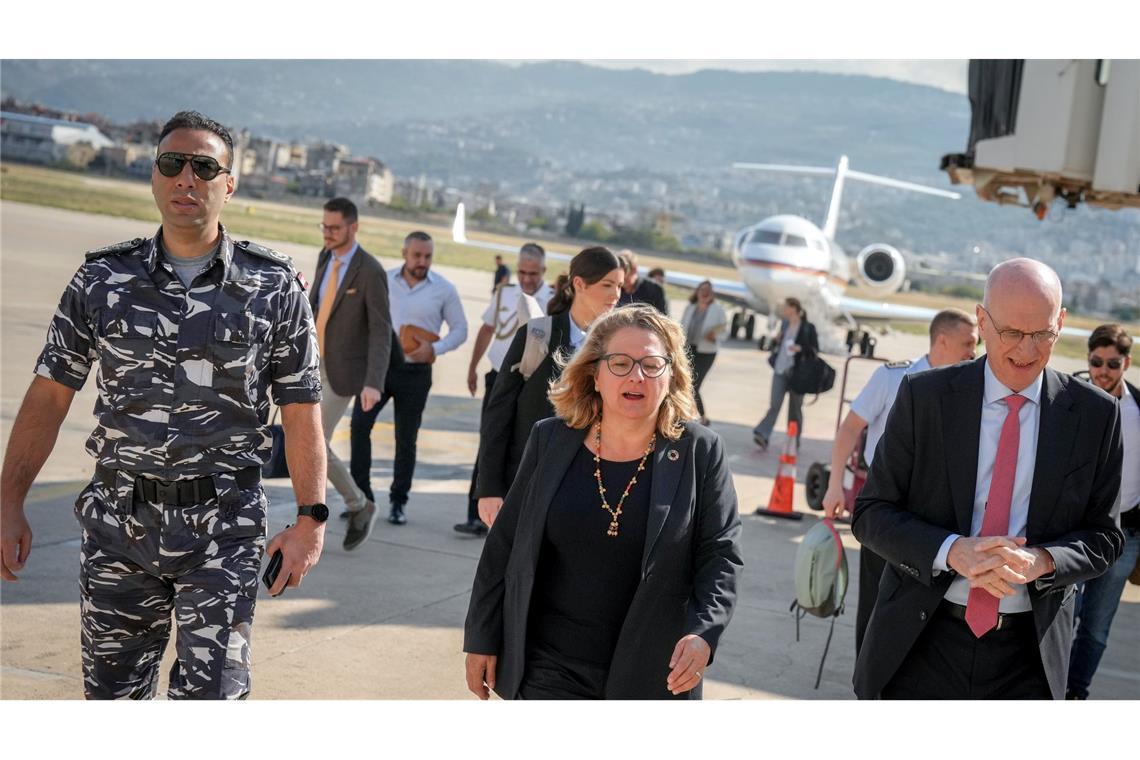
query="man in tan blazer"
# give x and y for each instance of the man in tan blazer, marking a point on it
(349, 298)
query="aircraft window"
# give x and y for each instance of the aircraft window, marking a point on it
(765, 236)
(795, 241)
(818, 244)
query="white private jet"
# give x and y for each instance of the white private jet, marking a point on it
(788, 256)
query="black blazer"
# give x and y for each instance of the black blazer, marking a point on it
(921, 490)
(688, 571)
(806, 338)
(358, 337)
(514, 406)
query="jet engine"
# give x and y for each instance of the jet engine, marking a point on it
(880, 268)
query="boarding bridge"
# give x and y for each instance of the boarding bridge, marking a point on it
(1046, 129)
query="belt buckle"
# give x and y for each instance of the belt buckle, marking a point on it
(166, 492)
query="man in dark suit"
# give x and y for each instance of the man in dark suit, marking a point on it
(992, 493)
(639, 289)
(1109, 358)
(354, 329)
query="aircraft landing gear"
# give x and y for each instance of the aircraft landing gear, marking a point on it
(745, 322)
(864, 340)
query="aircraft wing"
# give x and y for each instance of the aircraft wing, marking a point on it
(727, 290)
(864, 310)
(459, 235)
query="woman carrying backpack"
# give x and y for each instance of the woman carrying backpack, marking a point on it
(796, 341)
(519, 398)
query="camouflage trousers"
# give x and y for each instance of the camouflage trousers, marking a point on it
(141, 563)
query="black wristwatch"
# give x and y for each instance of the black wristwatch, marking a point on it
(318, 512)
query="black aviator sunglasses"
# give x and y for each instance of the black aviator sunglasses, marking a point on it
(205, 168)
(1097, 362)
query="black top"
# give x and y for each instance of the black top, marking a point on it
(648, 292)
(586, 579)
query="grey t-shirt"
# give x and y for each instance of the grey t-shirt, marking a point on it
(188, 269)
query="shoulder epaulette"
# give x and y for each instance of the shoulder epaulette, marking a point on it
(901, 364)
(123, 247)
(265, 253)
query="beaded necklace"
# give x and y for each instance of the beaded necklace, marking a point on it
(616, 513)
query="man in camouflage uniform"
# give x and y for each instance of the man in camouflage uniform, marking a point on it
(190, 329)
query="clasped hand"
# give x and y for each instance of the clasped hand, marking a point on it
(998, 563)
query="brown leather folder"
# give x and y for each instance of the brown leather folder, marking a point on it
(411, 337)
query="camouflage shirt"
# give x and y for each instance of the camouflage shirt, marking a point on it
(183, 373)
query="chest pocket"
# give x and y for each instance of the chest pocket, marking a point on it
(127, 355)
(234, 352)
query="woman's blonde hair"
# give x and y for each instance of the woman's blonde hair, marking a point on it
(577, 402)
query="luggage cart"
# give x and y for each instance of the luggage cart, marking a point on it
(815, 482)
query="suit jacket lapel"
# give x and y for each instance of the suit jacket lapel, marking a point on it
(556, 458)
(669, 461)
(961, 429)
(349, 276)
(1056, 434)
(315, 290)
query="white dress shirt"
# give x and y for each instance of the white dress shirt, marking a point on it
(431, 302)
(502, 315)
(874, 402)
(993, 417)
(1130, 432)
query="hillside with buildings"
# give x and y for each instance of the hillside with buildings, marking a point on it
(648, 155)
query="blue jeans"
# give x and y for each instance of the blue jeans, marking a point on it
(1098, 603)
(795, 408)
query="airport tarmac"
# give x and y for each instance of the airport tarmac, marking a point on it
(385, 621)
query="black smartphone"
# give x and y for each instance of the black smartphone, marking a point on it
(272, 569)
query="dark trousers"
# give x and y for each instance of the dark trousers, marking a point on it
(949, 662)
(870, 572)
(408, 385)
(472, 502)
(549, 675)
(702, 363)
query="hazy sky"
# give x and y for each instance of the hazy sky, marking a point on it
(945, 74)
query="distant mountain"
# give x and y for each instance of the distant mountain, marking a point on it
(562, 131)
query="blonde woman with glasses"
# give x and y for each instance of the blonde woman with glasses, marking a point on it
(611, 571)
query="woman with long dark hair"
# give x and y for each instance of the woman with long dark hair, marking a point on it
(796, 341)
(703, 321)
(589, 289)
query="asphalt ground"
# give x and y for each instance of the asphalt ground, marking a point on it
(385, 621)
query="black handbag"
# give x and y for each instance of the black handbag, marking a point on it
(811, 374)
(277, 466)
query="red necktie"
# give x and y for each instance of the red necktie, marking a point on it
(982, 607)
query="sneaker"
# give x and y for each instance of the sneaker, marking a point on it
(760, 441)
(396, 515)
(360, 525)
(476, 528)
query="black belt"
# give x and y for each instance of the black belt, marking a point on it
(1005, 620)
(178, 493)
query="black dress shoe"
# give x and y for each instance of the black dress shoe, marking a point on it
(475, 528)
(396, 516)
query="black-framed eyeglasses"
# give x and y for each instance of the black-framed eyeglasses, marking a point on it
(205, 168)
(1097, 362)
(1012, 337)
(622, 364)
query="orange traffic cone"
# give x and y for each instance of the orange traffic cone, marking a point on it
(780, 502)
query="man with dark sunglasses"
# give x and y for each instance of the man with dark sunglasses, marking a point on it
(191, 330)
(1109, 358)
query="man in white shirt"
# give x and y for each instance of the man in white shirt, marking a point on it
(1109, 358)
(953, 338)
(421, 302)
(508, 310)
(992, 494)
